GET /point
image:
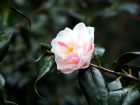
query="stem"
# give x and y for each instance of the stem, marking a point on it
(115, 73)
(31, 15)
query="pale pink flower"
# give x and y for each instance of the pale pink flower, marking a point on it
(73, 49)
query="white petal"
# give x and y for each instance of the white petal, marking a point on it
(91, 31)
(64, 32)
(67, 71)
(82, 34)
(79, 27)
(63, 36)
(86, 59)
(64, 66)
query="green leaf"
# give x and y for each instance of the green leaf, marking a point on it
(115, 85)
(133, 97)
(125, 58)
(2, 97)
(46, 46)
(93, 86)
(2, 84)
(22, 14)
(99, 51)
(4, 45)
(45, 65)
(44, 51)
(117, 97)
(133, 65)
(126, 96)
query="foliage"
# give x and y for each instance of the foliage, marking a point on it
(24, 24)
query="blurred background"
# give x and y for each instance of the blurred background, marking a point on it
(117, 29)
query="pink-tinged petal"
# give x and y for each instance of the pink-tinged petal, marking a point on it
(86, 47)
(86, 59)
(90, 46)
(63, 64)
(56, 49)
(73, 58)
(62, 44)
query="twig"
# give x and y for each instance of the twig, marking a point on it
(115, 73)
(31, 15)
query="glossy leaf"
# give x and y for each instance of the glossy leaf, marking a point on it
(117, 97)
(45, 46)
(2, 83)
(133, 65)
(4, 45)
(2, 97)
(133, 97)
(93, 86)
(45, 65)
(126, 96)
(44, 51)
(115, 85)
(127, 57)
(99, 51)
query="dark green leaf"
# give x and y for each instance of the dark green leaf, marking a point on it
(2, 83)
(133, 65)
(44, 51)
(126, 96)
(127, 57)
(132, 98)
(45, 46)
(117, 97)
(93, 86)
(45, 65)
(99, 51)
(4, 45)
(115, 85)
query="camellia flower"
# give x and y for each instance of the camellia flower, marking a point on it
(73, 49)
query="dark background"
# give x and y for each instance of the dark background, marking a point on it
(117, 29)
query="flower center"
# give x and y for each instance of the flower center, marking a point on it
(69, 50)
